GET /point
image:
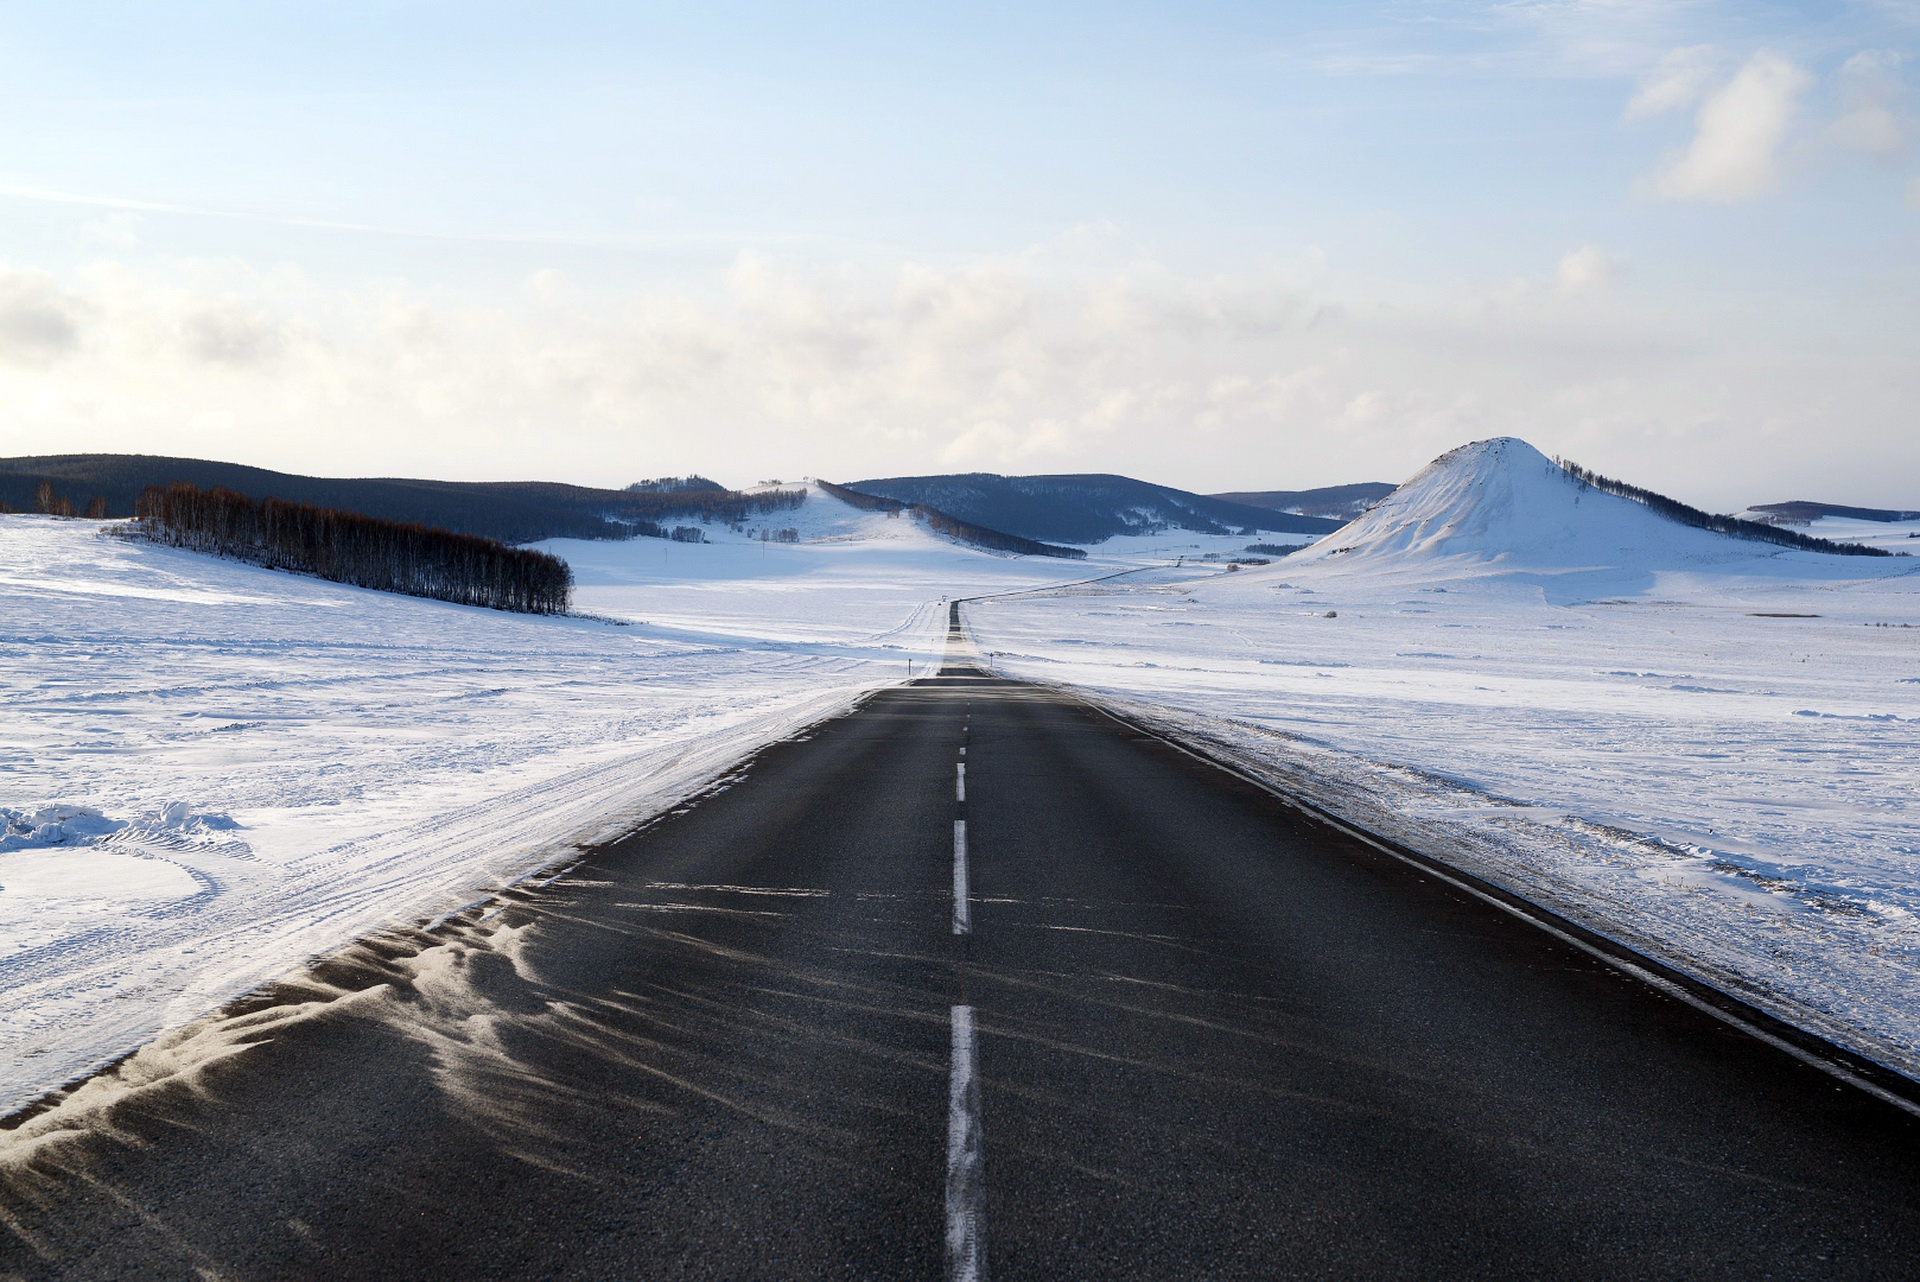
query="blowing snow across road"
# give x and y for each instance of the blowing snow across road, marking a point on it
(1188, 1032)
(211, 772)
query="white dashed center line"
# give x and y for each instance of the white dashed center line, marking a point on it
(966, 1179)
(966, 1238)
(962, 914)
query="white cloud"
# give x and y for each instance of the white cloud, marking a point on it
(1870, 90)
(38, 319)
(1678, 80)
(997, 444)
(1531, 38)
(1739, 130)
(1587, 268)
(229, 332)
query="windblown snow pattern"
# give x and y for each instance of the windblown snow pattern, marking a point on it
(211, 772)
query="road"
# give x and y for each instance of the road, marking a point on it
(1175, 1028)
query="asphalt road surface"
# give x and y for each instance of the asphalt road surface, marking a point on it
(1171, 1028)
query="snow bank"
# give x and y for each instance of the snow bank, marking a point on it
(53, 826)
(84, 826)
(1703, 745)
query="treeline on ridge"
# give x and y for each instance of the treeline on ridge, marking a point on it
(108, 485)
(364, 551)
(1083, 508)
(1674, 509)
(953, 526)
(728, 507)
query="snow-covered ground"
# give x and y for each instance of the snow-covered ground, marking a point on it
(1708, 747)
(210, 772)
(1892, 536)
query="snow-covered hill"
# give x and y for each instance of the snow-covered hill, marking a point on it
(1086, 509)
(844, 572)
(1502, 508)
(1502, 500)
(1334, 502)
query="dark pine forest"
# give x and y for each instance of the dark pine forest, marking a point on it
(364, 551)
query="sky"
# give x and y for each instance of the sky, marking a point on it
(1218, 246)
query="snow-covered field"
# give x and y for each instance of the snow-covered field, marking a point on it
(1706, 746)
(210, 772)
(1703, 746)
(1893, 536)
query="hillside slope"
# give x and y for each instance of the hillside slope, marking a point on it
(511, 511)
(1890, 529)
(1800, 511)
(1333, 502)
(1084, 508)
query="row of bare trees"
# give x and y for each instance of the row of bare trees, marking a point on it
(365, 551)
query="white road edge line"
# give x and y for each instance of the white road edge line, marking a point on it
(962, 913)
(966, 1183)
(1647, 977)
(960, 781)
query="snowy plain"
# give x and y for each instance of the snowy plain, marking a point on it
(211, 772)
(1705, 747)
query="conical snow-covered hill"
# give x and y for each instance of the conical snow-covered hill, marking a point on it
(1504, 501)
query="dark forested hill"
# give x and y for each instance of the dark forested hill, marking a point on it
(511, 511)
(1800, 512)
(1334, 502)
(1084, 508)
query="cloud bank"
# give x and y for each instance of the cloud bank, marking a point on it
(1021, 363)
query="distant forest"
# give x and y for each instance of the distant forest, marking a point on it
(1084, 507)
(1686, 515)
(108, 485)
(1334, 502)
(365, 551)
(1802, 512)
(675, 485)
(953, 526)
